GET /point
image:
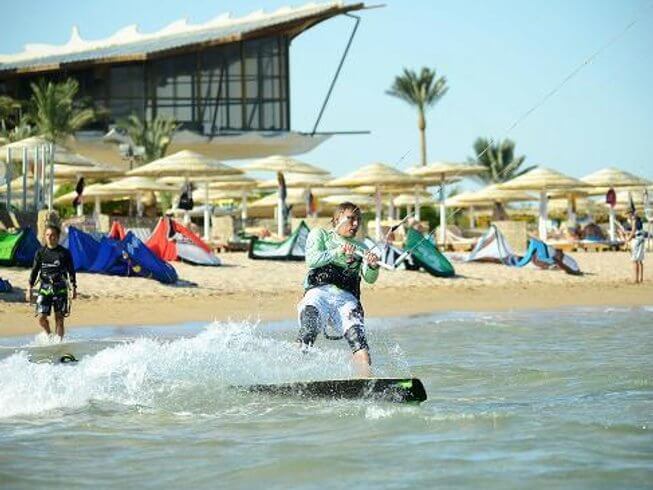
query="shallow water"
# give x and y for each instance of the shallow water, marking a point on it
(558, 399)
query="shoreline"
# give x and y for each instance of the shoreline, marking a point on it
(19, 320)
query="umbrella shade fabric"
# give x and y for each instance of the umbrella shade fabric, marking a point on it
(375, 174)
(298, 180)
(223, 182)
(604, 179)
(294, 197)
(96, 190)
(409, 199)
(280, 163)
(493, 193)
(218, 195)
(542, 179)
(135, 184)
(185, 164)
(613, 177)
(438, 172)
(360, 200)
(72, 172)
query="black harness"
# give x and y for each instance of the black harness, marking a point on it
(344, 278)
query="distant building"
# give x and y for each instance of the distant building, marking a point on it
(226, 81)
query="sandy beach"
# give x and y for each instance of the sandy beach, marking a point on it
(265, 290)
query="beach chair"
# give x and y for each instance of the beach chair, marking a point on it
(455, 241)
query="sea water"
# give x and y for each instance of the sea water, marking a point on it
(541, 399)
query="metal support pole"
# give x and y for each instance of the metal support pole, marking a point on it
(25, 170)
(44, 187)
(9, 177)
(335, 77)
(207, 213)
(37, 179)
(51, 162)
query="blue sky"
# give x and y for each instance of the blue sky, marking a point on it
(500, 58)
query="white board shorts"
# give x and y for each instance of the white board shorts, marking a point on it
(338, 309)
(638, 245)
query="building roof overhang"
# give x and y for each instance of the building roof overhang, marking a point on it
(130, 45)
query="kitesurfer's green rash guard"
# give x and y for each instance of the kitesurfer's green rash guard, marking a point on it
(325, 247)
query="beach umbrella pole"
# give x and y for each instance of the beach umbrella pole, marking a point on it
(472, 217)
(96, 212)
(613, 225)
(280, 216)
(443, 217)
(417, 205)
(378, 214)
(391, 208)
(571, 216)
(207, 215)
(139, 204)
(243, 208)
(543, 216)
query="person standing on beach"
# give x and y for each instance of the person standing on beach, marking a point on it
(336, 262)
(53, 268)
(637, 239)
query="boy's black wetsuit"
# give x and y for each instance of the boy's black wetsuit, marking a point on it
(53, 267)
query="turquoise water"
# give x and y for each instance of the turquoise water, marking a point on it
(555, 399)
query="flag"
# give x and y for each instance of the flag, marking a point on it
(186, 197)
(283, 194)
(79, 189)
(312, 204)
(611, 197)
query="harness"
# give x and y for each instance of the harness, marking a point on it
(347, 279)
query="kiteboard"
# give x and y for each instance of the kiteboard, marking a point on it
(51, 354)
(398, 390)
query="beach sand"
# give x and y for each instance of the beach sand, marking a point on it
(266, 290)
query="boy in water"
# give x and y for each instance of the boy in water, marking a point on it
(53, 268)
(332, 285)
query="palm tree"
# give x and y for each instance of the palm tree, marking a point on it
(499, 158)
(421, 91)
(154, 136)
(54, 112)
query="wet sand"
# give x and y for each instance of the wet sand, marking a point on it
(265, 290)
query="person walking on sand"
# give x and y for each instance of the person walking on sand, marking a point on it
(336, 262)
(54, 270)
(637, 239)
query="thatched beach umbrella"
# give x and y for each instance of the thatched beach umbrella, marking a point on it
(441, 173)
(380, 176)
(188, 164)
(300, 181)
(281, 165)
(603, 180)
(99, 193)
(138, 185)
(542, 179)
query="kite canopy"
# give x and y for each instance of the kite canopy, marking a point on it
(171, 240)
(127, 257)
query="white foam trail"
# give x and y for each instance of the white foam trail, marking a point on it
(184, 374)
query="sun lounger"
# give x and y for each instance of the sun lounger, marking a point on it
(455, 242)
